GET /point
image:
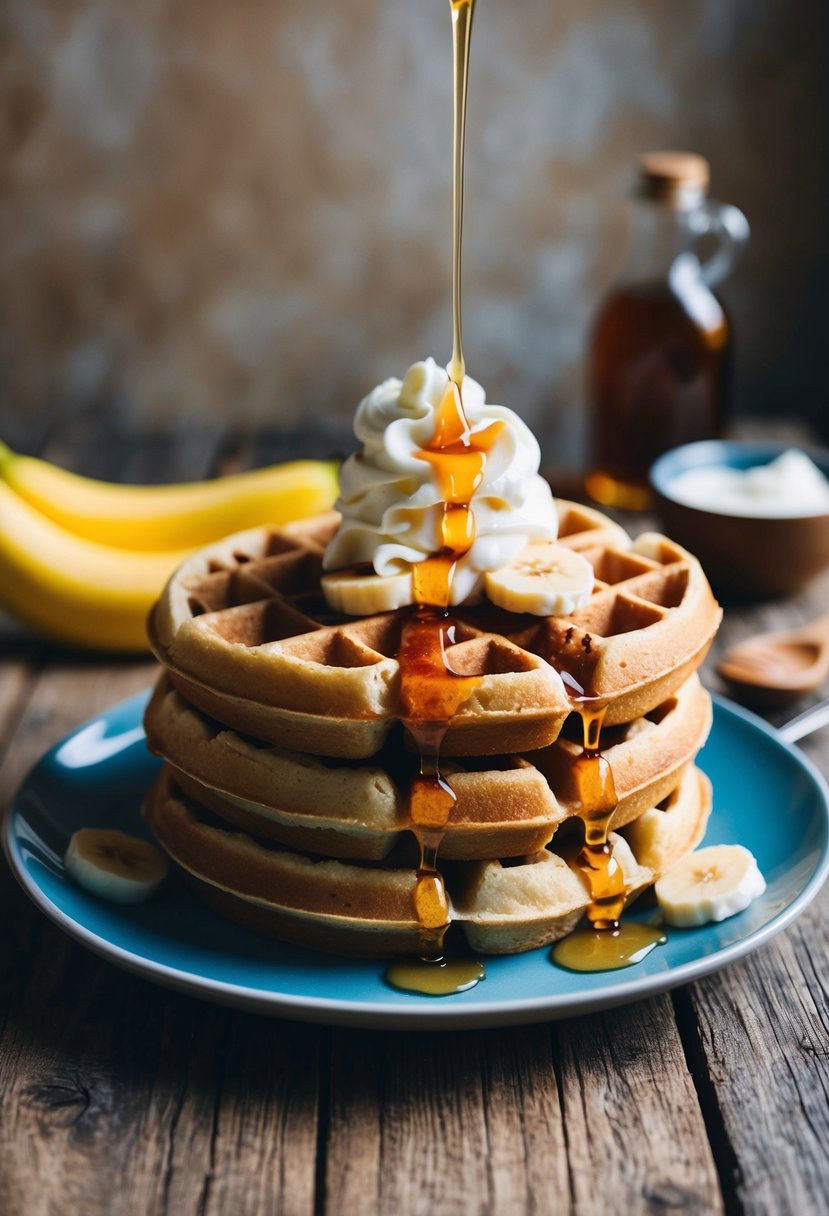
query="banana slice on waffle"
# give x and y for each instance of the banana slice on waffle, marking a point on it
(247, 637)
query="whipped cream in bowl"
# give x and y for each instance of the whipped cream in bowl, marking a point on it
(392, 505)
(755, 513)
(789, 485)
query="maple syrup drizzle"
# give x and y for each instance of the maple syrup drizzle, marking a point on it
(594, 779)
(431, 692)
(462, 13)
(606, 943)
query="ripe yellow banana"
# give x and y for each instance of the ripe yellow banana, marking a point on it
(171, 516)
(72, 589)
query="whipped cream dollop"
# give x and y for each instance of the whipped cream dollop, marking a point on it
(390, 500)
(790, 485)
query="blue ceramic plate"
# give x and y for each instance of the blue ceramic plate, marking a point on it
(766, 796)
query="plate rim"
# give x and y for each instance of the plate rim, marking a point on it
(432, 1015)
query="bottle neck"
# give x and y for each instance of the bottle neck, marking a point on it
(659, 235)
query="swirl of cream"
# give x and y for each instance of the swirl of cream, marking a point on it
(391, 502)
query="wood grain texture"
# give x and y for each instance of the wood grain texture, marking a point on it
(445, 1124)
(760, 1032)
(18, 676)
(119, 1098)
(636, 1140)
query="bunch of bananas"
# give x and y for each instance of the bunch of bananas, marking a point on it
(82, 561)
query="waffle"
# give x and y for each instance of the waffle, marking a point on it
(368, 909)
(246, 636)
(507, 909)
(506, 805)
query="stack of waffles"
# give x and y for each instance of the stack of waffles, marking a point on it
(284, 793)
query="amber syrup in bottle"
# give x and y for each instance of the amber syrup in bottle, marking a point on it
(659, 355)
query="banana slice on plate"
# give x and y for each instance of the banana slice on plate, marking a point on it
(363, 594)
(115, 866)
(709, 885)
(546, 579)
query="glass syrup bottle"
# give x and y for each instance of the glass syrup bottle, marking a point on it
(659, 352)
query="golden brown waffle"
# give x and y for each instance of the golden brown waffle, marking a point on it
(506, 909)
(506, 806)
(246, 637)
(369, 910)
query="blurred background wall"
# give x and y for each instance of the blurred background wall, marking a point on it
(241, 212)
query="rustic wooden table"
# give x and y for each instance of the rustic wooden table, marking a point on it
(118, 1097)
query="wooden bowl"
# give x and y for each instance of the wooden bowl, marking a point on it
(745, 557)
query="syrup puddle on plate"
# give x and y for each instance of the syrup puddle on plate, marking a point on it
(607, 949)
(435, 977)
(431, 692)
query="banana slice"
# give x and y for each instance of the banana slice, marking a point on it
(115, 866)
(709, 885)
(359, 594)
(546, 579)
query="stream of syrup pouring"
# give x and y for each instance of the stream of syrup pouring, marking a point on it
(431, 692)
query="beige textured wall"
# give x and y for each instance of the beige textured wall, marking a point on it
(241, 211)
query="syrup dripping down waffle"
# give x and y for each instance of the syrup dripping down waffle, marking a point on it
(367, 909)
(506, 805)
(246, 636)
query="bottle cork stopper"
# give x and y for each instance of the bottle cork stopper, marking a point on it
(673, 177)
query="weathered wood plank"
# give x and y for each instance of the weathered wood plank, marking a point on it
(265, 1133)
(760, 1035)
(117, 1097)
(18, 658)
(444, 1124)
(636, 1139)
(526, 1136)
(126, 1095)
